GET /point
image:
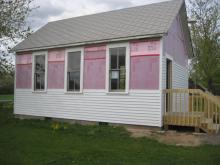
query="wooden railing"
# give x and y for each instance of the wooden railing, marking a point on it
(191, 107)
(218, 97)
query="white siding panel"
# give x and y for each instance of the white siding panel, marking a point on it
(138, 108)
(180, 76)
(179, 80)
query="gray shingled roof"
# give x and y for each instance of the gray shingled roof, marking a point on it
(148, 20)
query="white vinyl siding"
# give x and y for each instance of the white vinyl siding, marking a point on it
(179, 75)
(137, 107)
(179, 80)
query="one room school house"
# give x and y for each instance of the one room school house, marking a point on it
(108, 67)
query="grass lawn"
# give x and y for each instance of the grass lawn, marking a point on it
(6, 97)
(34, 142)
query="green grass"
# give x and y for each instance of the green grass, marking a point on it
(34, 142)
(6, 97)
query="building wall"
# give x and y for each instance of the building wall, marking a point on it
(175, 49)
(145, 65)
(141, 106)
(137, 107)
(24, 70)
(94, 67)
(174, 43)
(55, 71)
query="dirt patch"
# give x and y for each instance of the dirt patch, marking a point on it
(176, 138)
(179, 139)
(214, 140)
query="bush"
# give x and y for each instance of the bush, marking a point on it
(6, 105)
(7, 84)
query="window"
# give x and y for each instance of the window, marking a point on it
(117, 69)
(74, 71)
(39, 72)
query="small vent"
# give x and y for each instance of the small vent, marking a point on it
(103, 123)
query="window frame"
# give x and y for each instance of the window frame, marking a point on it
(81, 50)
(127, 67)
(34, 54)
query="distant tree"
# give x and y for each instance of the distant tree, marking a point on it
(205, 37)
(13, 27)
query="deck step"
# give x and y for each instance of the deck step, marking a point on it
(210, 128)
(206, 120)
(214, 126)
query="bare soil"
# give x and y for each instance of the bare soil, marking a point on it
(176, 138)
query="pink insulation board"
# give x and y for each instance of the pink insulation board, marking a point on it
(56, 55)
(56, 66)
(95, 48)
(144, 72)
(145, 48)
(23, 70)
(94, 67)
(24, 59)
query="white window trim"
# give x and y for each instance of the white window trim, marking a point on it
(167, 56)
(81, 49)
(33, 70)
(127, 59)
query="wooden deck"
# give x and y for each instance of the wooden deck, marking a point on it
(183, 119)
(191, 107)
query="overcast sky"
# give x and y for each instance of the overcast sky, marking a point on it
(51, 10)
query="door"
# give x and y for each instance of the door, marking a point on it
(168, 84)
(169, 74)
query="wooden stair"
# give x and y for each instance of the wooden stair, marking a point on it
(209, 126)
(192, 107)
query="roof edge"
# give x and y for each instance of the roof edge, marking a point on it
(90, 42)
(183, 2)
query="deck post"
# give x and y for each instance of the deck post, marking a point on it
(166, 127)
(197, 129)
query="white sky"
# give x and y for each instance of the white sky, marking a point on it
(51, 10)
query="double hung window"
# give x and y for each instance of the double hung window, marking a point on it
(117, 69)
(39, 72)
(74, 71)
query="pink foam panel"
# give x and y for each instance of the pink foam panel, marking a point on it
(94, 68)
(95, 48)
(56, 75)
(144, 72)
(145, 48)
(56, 55)
(24, 59)
(23, 76)
(56, 59)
